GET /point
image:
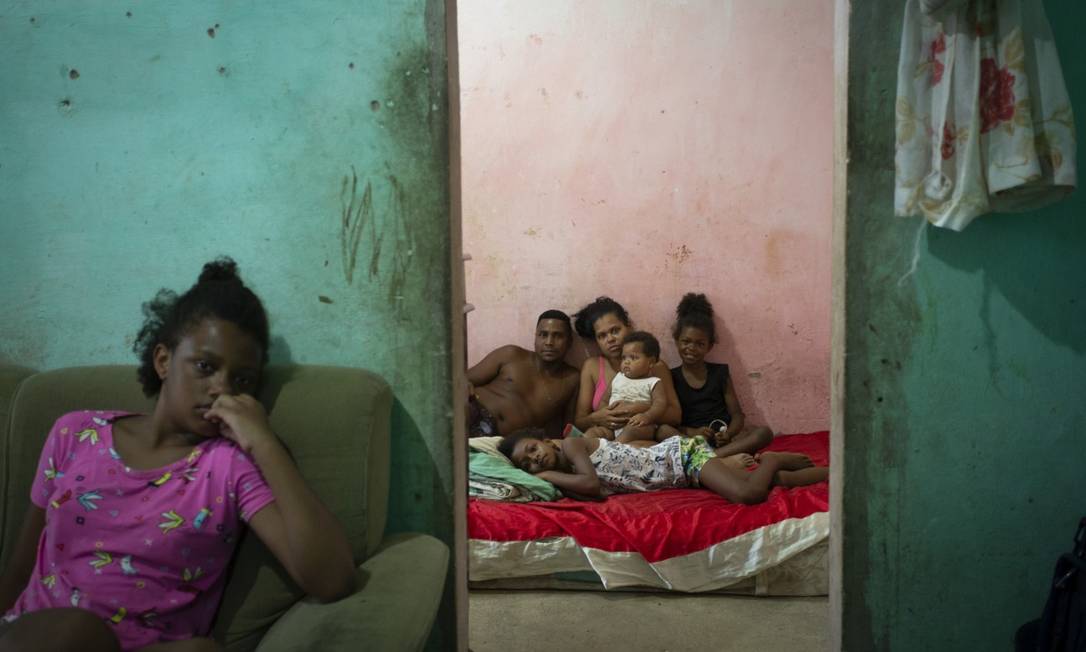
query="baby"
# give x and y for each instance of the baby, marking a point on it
(634, 387)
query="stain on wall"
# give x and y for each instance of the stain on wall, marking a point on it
(200, 128)
(964, 442)
(642, 150)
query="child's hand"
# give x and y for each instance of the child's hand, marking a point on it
(638, 420)
(724, 437)
(704, 431)
(241, 419)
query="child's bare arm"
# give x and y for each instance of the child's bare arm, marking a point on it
(583, 479)
(736, 412)
(655, 412)
(21, 562)
(297, 528)
(673, 413)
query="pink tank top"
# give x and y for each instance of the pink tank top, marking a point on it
(601, 387)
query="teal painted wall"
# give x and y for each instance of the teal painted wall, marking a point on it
(965, 449)
(306, 140)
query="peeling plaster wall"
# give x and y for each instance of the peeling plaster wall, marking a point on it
(965, 428)
(306, 140)
(645, 149)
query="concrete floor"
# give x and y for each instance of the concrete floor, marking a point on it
(530, 621)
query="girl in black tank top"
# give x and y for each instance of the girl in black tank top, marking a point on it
(703, 405)
(710, 409)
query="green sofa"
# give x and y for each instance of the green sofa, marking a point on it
(335, 421)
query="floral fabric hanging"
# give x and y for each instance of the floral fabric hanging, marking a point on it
(984, 122)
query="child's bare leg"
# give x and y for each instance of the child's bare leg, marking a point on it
(749, 440)
(752, 487)
(600, 432)
(664, 431)
(631, 434)
(740, 461)
(63, 629)
(803, 477)
(738, 486)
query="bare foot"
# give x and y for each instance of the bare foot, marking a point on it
(787, 461)
(802, 477)
(740, 461)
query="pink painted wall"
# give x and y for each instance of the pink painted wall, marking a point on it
(644, 149)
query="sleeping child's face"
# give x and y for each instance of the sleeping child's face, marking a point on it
(635, 362)
(535, 455)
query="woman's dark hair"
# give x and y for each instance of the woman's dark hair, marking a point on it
(586, 317)
(218, 293)
(694, 311)
(509, 443)
(650, 346)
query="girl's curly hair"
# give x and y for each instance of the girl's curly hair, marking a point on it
(218, 293)
(694, 311)
(586, 317)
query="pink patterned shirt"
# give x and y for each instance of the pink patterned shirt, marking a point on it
(145, 550)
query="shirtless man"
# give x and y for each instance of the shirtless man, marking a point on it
(513, 388)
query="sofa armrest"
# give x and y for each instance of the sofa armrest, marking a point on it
(401, 587)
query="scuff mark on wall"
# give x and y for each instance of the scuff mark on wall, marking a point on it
(679, 254)
(403, 244)
(354, 210)
(358, 222)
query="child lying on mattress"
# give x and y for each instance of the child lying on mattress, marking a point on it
(589, 467)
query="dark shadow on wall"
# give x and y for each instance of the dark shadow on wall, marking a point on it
(1035, 260)
(411, 509)
(279, 351)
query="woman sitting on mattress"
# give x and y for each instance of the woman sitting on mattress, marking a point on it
(606, 321)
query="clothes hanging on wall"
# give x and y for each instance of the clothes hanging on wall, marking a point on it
(984, 121)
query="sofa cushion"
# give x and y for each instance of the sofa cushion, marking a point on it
(10, 379)
(334, 421)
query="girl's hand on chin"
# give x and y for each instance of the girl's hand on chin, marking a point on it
(241, 419)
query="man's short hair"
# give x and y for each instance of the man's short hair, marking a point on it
(649, 344)
(560, 316)
(506, 445)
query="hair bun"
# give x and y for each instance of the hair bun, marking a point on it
(222, 269)
(694, 302)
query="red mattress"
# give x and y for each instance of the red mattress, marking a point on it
(655, 527)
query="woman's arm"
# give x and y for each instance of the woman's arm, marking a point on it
(21, 562)
(585, 418)
(673, 416)
(736, 412)
(299, 530)
(583, 479)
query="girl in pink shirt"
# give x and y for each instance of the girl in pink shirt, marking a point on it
(134, 518)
